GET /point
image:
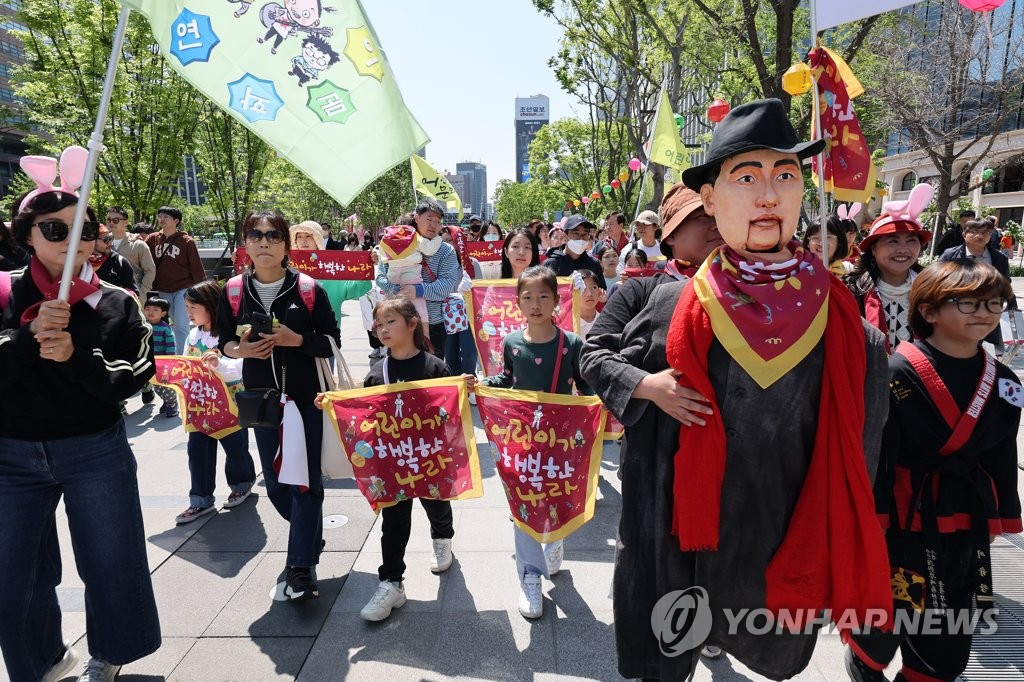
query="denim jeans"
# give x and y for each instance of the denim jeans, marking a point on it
(530, 554)
(96, 474)
(460, 353)
(202, 465)
(302, 510)
(179, 317)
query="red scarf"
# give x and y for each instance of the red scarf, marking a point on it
(97, 260)
(834, 554)
(80, 289)
(681, 270)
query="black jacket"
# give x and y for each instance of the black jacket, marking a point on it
(302, 382)
(999, 261)
(12, 256)
(564, 265)
(112, 360)
(118, 271)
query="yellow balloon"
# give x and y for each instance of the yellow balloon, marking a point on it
(797, 79)
(623, 176)
(576, 202)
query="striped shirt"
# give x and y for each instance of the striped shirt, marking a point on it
(163, 340)
(268, 292)
(441, 277)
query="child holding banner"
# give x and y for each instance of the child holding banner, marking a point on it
(401, 330)
(201, 304)
(539, 358)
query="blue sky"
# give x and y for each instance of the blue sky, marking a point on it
(461, 69)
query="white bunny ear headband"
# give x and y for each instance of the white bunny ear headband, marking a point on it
(850, 213)
(906, 211)
(43, 171)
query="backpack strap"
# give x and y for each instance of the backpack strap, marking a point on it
(307, 289)
(234, 289)
(5, 289)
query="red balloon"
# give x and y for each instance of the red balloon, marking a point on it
(568, 204)
(615, 183)
(718, 110)
(981, 5)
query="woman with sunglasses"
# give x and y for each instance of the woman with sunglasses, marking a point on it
(284, 359)
(64, 367)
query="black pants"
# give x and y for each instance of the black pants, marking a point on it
(941, 652)
(396, 525)
(438, 338)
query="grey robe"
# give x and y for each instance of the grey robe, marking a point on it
(770, 435)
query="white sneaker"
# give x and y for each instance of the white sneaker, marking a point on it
(99, 671)
(62, 667)
(442, 559)
(531, 601)
(711, 651)
(388, 596)
(553, 555)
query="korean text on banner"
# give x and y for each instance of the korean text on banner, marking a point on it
(494, 313)
(330, 265)
(207, 404)
(308, 77)
(832, 13)
(849, 173)
(406, 440)
(547, 450)
(431, 182)
(666, 147)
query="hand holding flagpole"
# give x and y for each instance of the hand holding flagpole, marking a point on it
(95, 147)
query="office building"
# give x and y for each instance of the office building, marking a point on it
(475, 198)
(14, 125)
(531, 116)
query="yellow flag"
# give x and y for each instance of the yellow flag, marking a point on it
(666, 147)
(434, 184)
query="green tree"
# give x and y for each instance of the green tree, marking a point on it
(517, 203)
(291, 193)
(153, 113)
(385, 199)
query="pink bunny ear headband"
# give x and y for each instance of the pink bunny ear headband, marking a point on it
(43, 171)
(850, 213)
(902, 216)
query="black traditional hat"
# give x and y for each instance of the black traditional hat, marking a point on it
(761, 124)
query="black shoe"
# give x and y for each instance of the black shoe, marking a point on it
(300, 585)
(859, 671)
(148, 397)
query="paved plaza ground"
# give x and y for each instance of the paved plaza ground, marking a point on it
(213, 578)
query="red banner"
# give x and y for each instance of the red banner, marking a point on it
(494, 314)
(408, 440)
(484, 251)
(613, 430)
(350, 265)
(548, 456)
(849, 173)
(207, 403)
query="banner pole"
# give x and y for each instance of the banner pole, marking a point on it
(95, 147)
(816, 109)
(650, 143)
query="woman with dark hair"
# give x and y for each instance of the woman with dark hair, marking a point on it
(285, 359)
(65, 367)
(837, 245)
(520, 251)
(492, 232)
(12, 256)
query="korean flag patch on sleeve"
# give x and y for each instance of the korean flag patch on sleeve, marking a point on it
(1011, 392)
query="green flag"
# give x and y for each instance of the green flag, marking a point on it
(308, 76)
(666, 147)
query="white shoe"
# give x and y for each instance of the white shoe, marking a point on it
(62, 667)
(553, 555)
(99, 671)
(388, 596)
(711, 651)
(442, 559)
(531, 601)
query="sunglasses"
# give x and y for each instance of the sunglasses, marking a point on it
(272, 236)
(58, 230)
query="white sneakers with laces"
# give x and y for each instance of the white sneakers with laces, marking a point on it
(387, 597)
(531, 599)
(99, 671)
(61, 668)
(442, 559)
(553, 555)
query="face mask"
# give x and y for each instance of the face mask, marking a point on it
(577, 246)
(428, 247)
(490, 237)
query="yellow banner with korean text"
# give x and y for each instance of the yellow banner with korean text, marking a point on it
(547, 450)
(409, 439)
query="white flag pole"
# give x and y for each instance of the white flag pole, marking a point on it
(816, 104)
(95, 147)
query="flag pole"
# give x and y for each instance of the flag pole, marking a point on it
(412, 177)
(95, 147)
(816, 109)
(650, 142)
